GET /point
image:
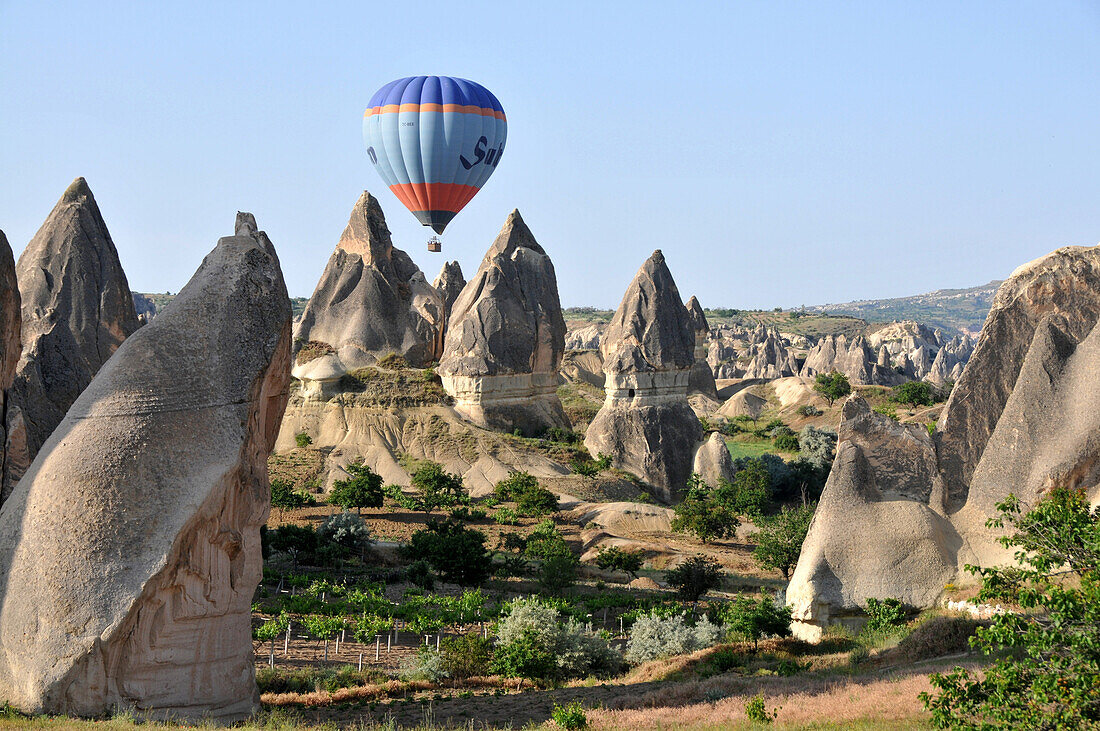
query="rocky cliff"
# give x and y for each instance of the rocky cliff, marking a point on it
(646, 425)
(506, 338)
(76, 309)
(903, 512)
(372, 299)
(130, 550)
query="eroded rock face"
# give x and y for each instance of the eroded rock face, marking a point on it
(76, 308)
(372, 299)
(901, 516)
(130, 551)
(10, 348)
(702, 379)
(506, 338)
(713, 462)
(646, 425)
(449, 283)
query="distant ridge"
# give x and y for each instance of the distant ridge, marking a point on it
(960, 309)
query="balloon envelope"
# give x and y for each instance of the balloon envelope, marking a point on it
(435, 140)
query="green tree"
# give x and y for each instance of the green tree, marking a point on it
(526, 656)
(438, 488)
(285, 497)
(298, 541)
(832, 386)
(703, 514)
(757, 619)
(466, 655)
(694, 578)
(614, 558)
(362, 489)
(914, 393)
(1050, 676)
(779, 540)
(750, 490)
(455, 552)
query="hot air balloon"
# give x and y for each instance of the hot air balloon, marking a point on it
(435, 140)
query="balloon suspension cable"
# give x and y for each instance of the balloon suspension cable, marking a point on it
(435, 245)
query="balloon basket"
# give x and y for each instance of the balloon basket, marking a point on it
(435, 245)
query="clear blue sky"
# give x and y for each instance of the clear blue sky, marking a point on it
(779, 153)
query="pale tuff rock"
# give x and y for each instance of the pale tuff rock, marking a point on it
(713, 462)
(901, 516)
(372, 299)
(585, 338)
(506, 338)
(702, 379)
(743, 403)
(76, 310)
(12, 433)
(130, 551)
(646, 425)
(449, 283)
(320, 377)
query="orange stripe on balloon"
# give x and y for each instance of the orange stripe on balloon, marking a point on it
(451, 197)
(461, 108)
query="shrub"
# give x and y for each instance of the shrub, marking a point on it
(426, 665)
(523, 489)
(755, 620)
(809, 410)
(887, 410)
(613, 558)
(466, 655)
(787, 441)
(757, 711)
(347, 530)
(653, 637)
(285, 497)
(914, 393)
(750, 490)
(455, 552)
(393, 361)
(298, 541)
(558, 572)
(884, 614)
(779, 541)
(564, 436)
(571, 717)
(603, 461)
(832, 386)
(704, 514)
(584, 467)
(938, 636)
(419, 572)
(817, 446)
(362, 489)
(506, 516)
(694, 578)
(303, 440)
(533, 642)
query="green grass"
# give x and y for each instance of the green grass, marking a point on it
(740, 446)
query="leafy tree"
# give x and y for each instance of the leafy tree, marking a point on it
(750, 490)
(466, 655)
(884, 614)
(531, 498)
(779, 540)
(614, 558)
(914, 393)
(455, 552)
(285, 497)
(1050, 678)
(787, 441)
(832, 386)
(363, 489)
(694, 578)
(526, 656)
(346, 530)
(299, 541)
(757, 619)
(558, 572)
(703, 514)
(435, 489)
(419, 572)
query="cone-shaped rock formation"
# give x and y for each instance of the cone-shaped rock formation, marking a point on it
(646, 425)
(372, 299)
(506, 338)
(130, 550)
(702, 379)
(76, 308)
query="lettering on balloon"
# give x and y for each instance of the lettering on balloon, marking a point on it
(490, 157)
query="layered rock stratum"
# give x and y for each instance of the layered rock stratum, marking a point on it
(130, 550)
(77, 309)
(902, 512)
(372, 300)
(506, 338)
(645, 424)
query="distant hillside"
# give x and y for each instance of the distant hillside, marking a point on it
(811, 324)
(297, 304)
(961, 309)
